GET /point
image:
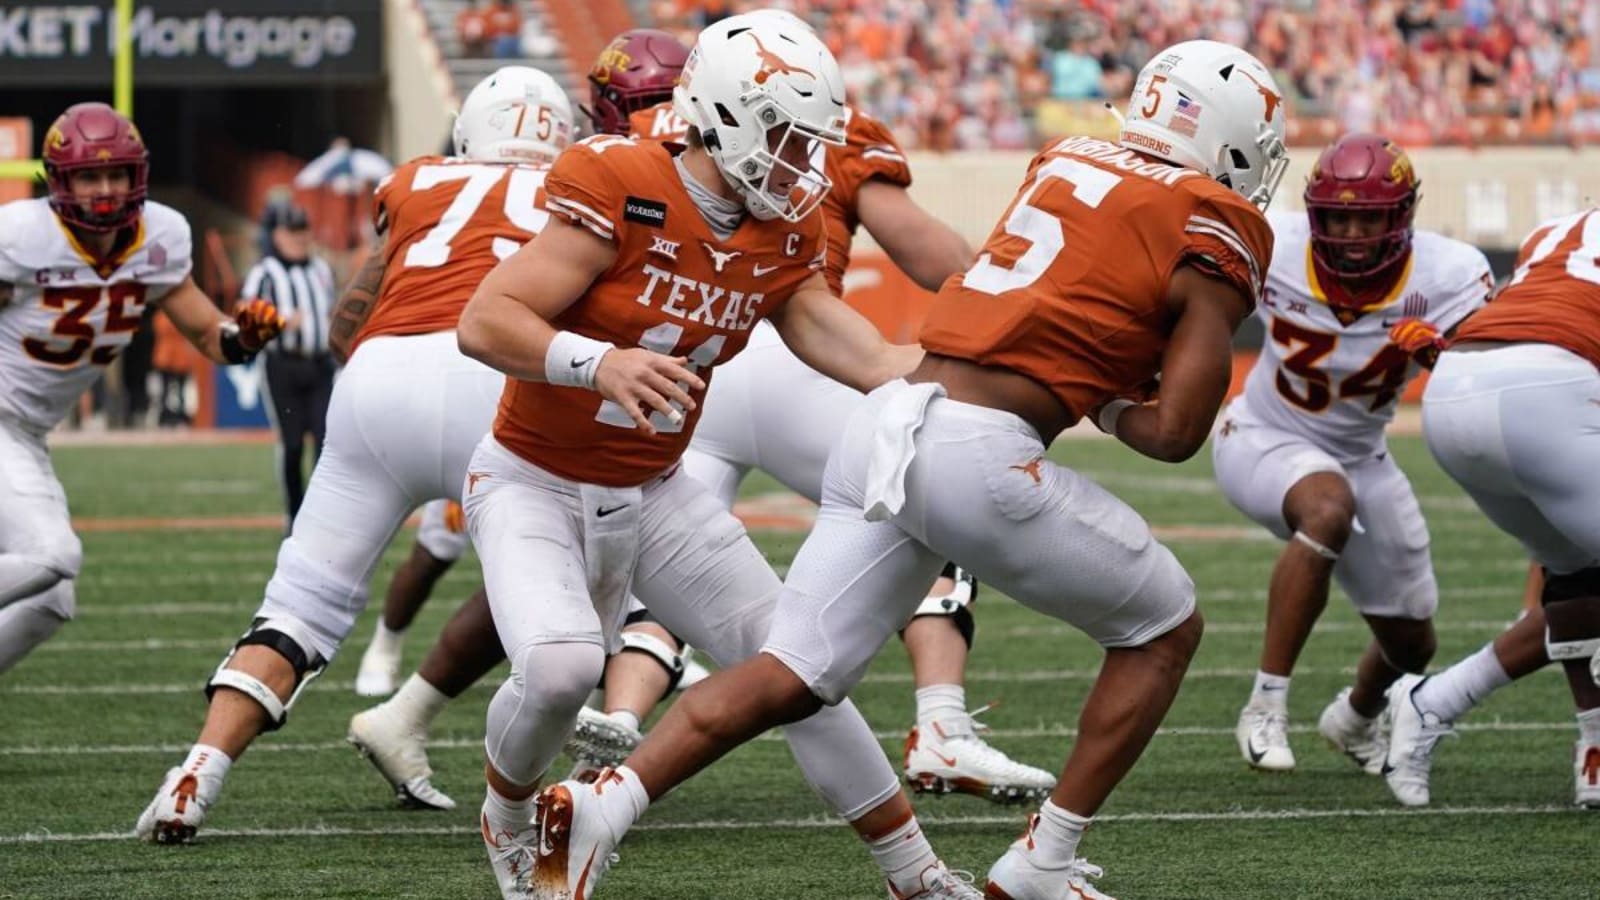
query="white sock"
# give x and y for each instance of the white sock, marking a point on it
(1270, 691)
(638, 800)
(505, 814)
(1056, 836)
(903, 854)
(1350, 715)
(418, 703)
(209, 766)
(1589, 726)
(1464, 685)
(386, 641)
(625, 717)
(940, 701)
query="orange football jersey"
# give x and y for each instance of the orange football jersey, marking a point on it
(1071, 287)
(448, 222)
(1554, 295)
(674, 288)
(869, 152)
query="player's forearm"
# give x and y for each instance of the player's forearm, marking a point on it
(1157, 431)
(505, 335)
(831, 337)
(355, 305)
(935, 253)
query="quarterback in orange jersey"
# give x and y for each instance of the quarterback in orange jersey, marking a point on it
(77, 269)
(1512, 413)
(404, 417)
(576, 497)
(768, 410)
(949, 463)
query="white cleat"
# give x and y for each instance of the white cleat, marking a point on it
(179, 807)
(950, 757)
(575, 843)
(1411, 742)
(1014, 876)
(511, 855)
(399, 756)
(940, 883)
(1263, 736)
(379, 675)
(1586, 775)
(1365, 742)
(598, 742)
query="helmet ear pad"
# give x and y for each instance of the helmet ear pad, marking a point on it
(93, 136)
(637, 70)
(1367, 172)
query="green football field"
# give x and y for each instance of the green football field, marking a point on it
(91, 721)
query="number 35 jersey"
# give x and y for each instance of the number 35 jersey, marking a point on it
(67, 319)
(1333, 379)
(674, 287)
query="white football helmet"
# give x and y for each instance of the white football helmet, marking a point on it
(763, 91)
(517, 114)
(1214, 108)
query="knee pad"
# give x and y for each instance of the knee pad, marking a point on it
(954, 604)
(290, 639)
(662, 652)
(1572, 615)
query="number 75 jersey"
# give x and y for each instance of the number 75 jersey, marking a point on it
(68, 319)
(1335, 379)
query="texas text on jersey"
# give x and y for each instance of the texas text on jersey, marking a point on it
(448, 221)
(1041, 299)
(675, 288)
(1334, 376)
(69, 318)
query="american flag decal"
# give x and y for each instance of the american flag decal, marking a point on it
(158, 255)
(1415, 306)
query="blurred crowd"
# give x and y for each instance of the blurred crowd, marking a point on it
(996, 74)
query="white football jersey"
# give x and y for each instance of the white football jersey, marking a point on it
(1336, 384)
(67, 321)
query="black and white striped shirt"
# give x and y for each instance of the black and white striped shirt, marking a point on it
(303, 293)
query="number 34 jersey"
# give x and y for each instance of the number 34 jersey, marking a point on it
(1333, 379)
(67, 319)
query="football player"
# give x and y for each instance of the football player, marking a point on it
(770, 411)
(404, 416)
(77, 269)
(1512, 413)
(658, 261)
(1355, 307)
(1115, 262)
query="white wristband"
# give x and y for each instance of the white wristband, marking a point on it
(572, 359)
(1110, 413)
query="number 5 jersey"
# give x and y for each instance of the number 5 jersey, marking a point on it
(69, 318)
(1330, 375)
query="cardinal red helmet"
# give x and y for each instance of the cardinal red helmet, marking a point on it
(92, 136)
(637, 70)
(1362, 172)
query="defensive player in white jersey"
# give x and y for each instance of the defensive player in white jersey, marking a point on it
(1354, 307)
(77, 269)
(402, 423)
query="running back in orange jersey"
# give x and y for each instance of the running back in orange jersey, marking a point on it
(1071, 288)
(674, 287)
(1553, 297)
(448, 221)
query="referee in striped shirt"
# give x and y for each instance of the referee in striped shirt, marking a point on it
(299, 365)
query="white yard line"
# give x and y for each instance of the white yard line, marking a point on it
(1241, 815)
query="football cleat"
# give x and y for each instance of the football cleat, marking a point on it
(1263, 735)
(950, 757)
(179, 807)
(597, 742)
(511, 855)
(398, 754)
(1586, 775)
(1015, 877)
(939, 883)
(1411, 741)
(379, 674)
(575, 842)
(1364, 741)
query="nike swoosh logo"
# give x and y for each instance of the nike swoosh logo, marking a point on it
(583, 879)
(1255, 755)
(578, 364)
(761, 270)
(602, 512)
(947, 760)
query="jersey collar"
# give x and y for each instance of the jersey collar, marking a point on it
(1346, 312)
(105, 267)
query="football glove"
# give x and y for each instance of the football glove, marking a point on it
(259, 322)
(1419, 339)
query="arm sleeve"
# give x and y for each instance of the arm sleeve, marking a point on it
(871, 151)
(582, 191)
(1228, 238)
